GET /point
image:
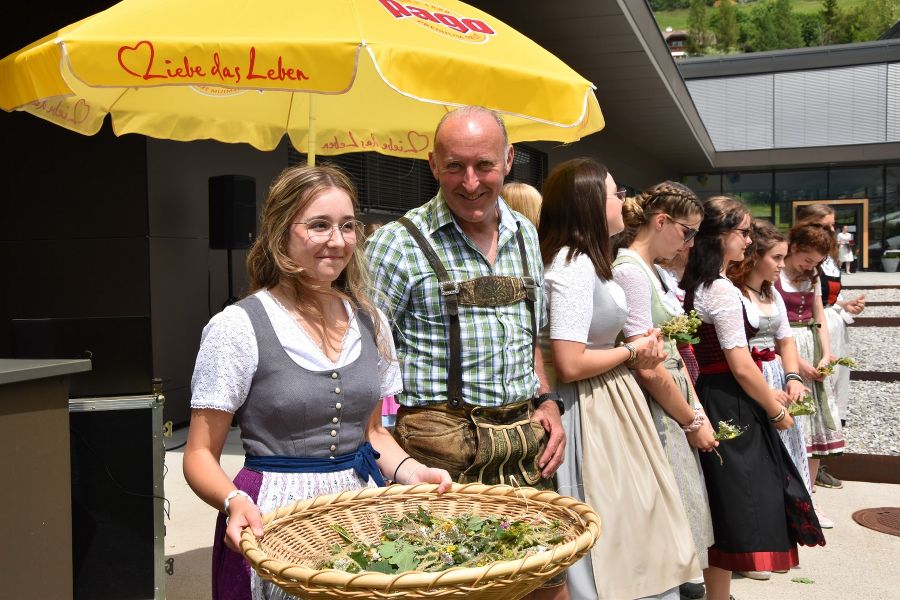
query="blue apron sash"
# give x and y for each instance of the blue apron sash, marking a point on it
(362, 461)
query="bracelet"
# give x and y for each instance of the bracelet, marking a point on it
(696, 424)
(632, 353)
(792, 376)
(413, 474)
(234, 494)
(780, 416)
(397, 470)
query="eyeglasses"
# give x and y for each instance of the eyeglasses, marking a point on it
(689, 232)
(321, 230)
(621, 193)
(744, 232)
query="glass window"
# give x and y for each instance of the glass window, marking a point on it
(704, 184)
(797, 185)
(753, 189)
(801, 185)
(892, 207)
(855, 183)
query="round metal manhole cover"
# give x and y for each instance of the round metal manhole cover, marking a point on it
(885, 519)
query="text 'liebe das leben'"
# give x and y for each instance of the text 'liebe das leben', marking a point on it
(412, 143)
(141, 61)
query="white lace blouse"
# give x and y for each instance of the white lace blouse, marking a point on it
(228, 356)
(721, 305)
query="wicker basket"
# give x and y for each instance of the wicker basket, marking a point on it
(298, 536)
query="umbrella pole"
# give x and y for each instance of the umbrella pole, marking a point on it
(311, 134)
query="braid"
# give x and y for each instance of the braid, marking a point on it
(670, 197)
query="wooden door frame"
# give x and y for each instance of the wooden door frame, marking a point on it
(865, 219)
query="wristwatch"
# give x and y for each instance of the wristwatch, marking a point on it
(550, 396)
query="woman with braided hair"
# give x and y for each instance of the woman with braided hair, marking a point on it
(660, 222)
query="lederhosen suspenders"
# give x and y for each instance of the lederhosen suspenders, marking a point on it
(450, 292)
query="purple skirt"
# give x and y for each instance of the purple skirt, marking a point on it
(230, 571)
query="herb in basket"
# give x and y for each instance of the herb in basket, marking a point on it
(844, 361)
(803, 406)
(726, 431)
(681, 328)
(426, 541)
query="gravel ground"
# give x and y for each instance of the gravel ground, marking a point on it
(876, 348)
(884, 295)
(881, 311)
(873, 425)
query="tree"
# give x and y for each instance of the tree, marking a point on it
(875, 17)
(830, 16)
(773, 26)
(726, 29)
(698, 25)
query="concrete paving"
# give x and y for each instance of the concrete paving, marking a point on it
(857, 563)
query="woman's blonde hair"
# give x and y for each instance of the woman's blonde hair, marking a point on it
(524, 199)
(268, 262)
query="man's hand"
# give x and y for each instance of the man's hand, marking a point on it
(547, 414)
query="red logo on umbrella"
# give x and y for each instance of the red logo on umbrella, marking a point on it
(440, 20)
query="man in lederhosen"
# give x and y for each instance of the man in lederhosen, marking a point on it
(460, 279)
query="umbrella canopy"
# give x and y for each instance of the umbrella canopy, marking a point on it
(335, 75)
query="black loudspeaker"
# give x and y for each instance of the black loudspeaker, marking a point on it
(232, 212)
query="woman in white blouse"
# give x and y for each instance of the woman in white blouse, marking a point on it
(659, 222)
(760, 508)
(614, 460)
(302, 364)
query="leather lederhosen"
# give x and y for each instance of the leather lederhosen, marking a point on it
(486, 444)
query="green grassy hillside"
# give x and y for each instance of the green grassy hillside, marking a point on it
(678, 19)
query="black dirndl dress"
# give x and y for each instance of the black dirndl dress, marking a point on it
(759, 505)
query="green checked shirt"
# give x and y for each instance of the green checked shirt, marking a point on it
(497, 352)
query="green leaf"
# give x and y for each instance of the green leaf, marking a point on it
(405, 560)
(342, 532)
(360, 558)
(802, 580)
(387, 549)
(382, 566)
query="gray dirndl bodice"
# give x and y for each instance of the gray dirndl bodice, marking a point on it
(292, 411)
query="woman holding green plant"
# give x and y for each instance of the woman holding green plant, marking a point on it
(799, 286)
(658, 223)
(760, 508)
(614, 459)
(773, 344)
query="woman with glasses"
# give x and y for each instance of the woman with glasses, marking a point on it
(302, 364)
(614, 459)
(659, 222)
(799, 285)
(760, 508)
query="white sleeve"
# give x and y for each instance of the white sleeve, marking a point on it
(639, 296)
(388, 367)
(784, 328)
(722, 304)
(226, 362)
(570, 294)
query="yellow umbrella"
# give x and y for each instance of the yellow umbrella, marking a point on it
(335, 75)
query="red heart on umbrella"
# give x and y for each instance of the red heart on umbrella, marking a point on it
(417, 141)
(139, 56)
